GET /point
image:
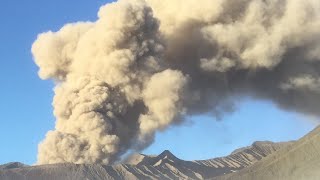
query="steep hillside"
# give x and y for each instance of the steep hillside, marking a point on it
(298, 161)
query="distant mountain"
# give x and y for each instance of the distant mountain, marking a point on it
(297, 161)
(139, 166)
(12, 165)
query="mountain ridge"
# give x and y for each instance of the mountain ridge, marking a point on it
(12, 165)
(297, 161)
(163, 166)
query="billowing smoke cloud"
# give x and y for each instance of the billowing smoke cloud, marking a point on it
(146, 64)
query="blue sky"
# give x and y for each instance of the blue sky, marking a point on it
(26, 111)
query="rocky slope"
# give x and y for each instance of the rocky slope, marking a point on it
(163, 166)
(298, 161)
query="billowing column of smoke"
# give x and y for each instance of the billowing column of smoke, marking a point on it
(145, 65)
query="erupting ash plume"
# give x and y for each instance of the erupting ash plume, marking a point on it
(146, 64)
